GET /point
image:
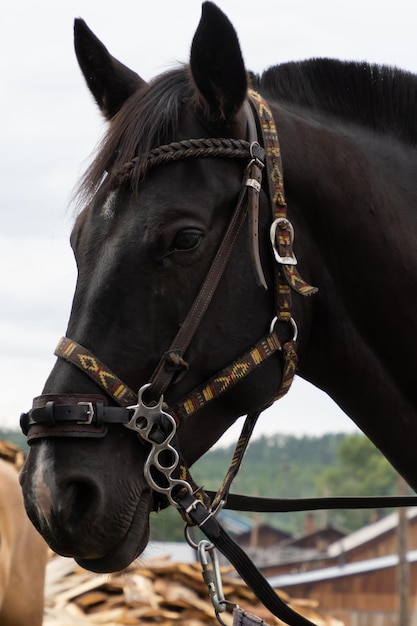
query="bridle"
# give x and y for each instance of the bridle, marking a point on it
(154, 422)
(47, 419)
(53, 416)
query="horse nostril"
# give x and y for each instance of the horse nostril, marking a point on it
(78, 497)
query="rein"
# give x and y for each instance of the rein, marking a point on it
(154, 422)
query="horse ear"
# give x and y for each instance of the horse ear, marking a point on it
(217, 65)
(110, 82)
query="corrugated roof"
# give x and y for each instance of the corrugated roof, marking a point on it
(367, 533)
(235, 523)
(338, 571)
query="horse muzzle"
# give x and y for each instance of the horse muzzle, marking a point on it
(68, 492)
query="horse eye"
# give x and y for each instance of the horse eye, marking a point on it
(186, 240)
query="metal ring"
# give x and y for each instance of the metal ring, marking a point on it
(295, 328)
(192, 543)
(293, 324)
(272, 326)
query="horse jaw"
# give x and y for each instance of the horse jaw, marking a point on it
(123, 554)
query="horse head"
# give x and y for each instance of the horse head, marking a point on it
(144, 243)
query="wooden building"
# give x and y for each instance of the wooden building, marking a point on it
(306, 553)
(356, 578)
(263, 536)
(318, 539)
(361, 593)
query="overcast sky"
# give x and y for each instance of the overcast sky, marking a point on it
(50, 126)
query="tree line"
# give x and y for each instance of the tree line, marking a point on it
(297, 467)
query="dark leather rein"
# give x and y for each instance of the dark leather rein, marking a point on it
(78, 416)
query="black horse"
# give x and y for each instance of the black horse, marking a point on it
(146, 240)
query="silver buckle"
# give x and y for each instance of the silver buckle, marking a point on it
(284, 260)
(90, 413)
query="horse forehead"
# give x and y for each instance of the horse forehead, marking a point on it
(185, 189)
(109, 205)
(189, 182)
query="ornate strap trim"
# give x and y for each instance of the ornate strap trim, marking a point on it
(81, 357)
(289, 369)
(227, 377)
(240, 449)
(284, 232)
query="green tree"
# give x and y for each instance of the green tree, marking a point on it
(361, 471)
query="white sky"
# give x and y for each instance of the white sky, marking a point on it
(50, 126)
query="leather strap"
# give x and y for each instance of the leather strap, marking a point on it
(74, 408)
(227, 377)
(209, 525)
(277, 195)
(73, 414)
(172, 361)
(254, 184)
(163, 375)
(97, 370)
(238, 502)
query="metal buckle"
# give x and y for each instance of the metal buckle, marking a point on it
(257, 154)
(90, 413)
(284, 260)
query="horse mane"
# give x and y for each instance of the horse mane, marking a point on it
(147, 119)
(380, 97)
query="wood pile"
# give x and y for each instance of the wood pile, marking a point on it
(155, 592)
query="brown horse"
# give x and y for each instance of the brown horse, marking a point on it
(160, 197)
(22, 557)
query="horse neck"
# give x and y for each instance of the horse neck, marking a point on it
(354, 205)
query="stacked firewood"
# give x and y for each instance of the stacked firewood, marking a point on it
(153, 592)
